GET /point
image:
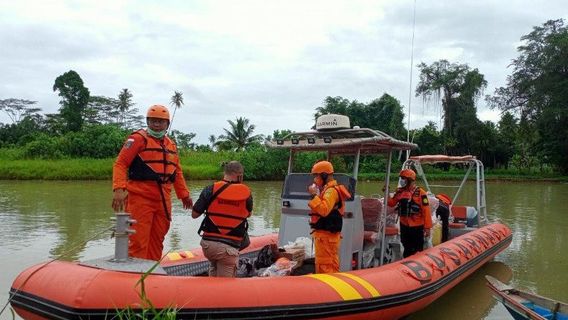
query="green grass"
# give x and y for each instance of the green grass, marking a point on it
(149, 311)
(208, 166)
(196, 166)
(205, 165)
(68, 169)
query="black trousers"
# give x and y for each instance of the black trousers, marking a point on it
(412, 239)
(443, 212)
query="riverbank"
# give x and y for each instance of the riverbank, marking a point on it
(201, 166)
(198, 166)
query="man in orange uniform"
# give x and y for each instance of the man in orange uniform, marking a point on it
(326, 217)
(143, 175)
(414, 210)
(227, 204)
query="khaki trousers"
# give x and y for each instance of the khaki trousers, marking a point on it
(222, 257)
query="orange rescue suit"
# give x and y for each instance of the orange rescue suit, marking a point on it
(226, 216)
(417, 211)
(326, 243)
(147, 168)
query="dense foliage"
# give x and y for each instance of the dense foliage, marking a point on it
(383, 114)
(537, 93)
(458, 87)
(74, 98)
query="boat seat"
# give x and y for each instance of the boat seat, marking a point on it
(391, 231)
(457, 225)
(371, 236)
(459, 213)
(372, 210)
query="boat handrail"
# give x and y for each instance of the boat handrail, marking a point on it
(365, 140)
(444, 186)
(440, 158)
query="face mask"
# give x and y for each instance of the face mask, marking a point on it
(402, 182)
(156, 134)
(318, 181)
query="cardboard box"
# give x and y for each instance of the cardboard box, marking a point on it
(293, 254)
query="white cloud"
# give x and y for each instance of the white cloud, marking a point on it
(270, 61)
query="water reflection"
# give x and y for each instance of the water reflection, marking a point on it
(471, 294)
(66, 212)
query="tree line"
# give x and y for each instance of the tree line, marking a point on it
(531, 132)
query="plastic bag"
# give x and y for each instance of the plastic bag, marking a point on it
(302, 243)
(265, 257)
(434, 203)
(245, 268)
(427, 242)
(282, 267)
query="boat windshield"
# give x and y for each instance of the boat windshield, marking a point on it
(295, 185)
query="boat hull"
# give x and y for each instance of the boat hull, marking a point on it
(524, 305)
(65, 290)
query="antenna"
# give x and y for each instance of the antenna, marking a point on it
(410, 85)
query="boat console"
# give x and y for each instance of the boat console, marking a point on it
(294, 219)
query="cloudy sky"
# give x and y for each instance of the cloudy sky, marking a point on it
(272, 62)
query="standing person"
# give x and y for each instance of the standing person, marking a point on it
(143, 175)
(226, 204)
(443, 211)
(414, 211)
(326, 217)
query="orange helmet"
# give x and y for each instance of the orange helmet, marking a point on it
(322, 167)
(158, 111)
(444, 198)
(408, 174)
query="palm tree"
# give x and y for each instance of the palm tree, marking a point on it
(213, 141)
(124, 104)
(240, 135)
(177, 102)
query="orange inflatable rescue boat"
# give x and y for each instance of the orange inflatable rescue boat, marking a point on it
(374, 281)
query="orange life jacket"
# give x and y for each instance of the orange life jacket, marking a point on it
(156, 162)
(333, 222)
(410, 206)
(226, 217)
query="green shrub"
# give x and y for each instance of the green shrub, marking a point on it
(44, 147)
(264, 164)
(98, 141)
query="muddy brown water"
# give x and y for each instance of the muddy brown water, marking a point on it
(42, 220)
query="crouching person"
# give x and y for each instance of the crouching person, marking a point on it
(226, 204)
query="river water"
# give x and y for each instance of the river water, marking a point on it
(42, 220)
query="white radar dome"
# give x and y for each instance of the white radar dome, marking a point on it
(332, 122)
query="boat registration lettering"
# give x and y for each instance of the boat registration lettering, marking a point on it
(473, 244)
(450, 253)
(481, 240)
(439, 262)
(466, 252)
(419, 272)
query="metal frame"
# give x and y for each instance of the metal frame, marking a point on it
(469, 160)
(357, 142)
